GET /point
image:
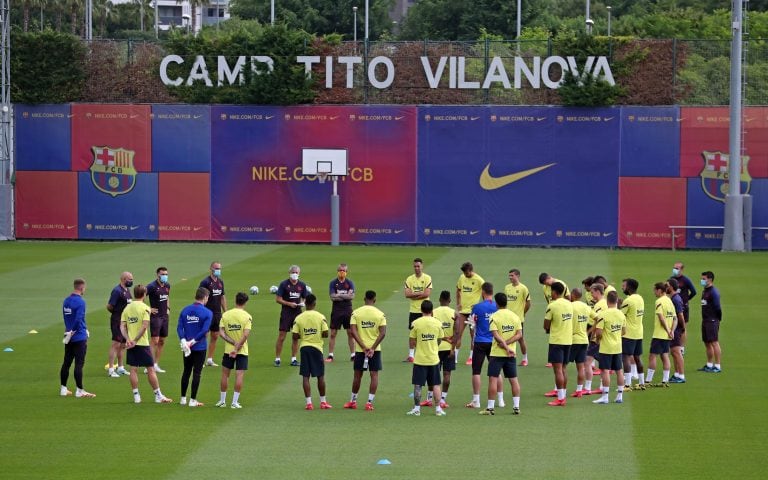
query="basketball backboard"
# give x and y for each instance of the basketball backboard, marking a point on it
(329, 161)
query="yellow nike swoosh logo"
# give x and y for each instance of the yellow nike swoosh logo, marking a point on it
(487, 182)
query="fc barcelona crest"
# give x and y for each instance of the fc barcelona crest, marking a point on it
(714, 175)
(112, 170)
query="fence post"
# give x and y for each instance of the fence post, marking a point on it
(674, 68)
(486, 93)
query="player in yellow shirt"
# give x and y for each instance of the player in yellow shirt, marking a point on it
(558, 323)
(309, 330)
(417, 288)
(467, 296)
(425, 337)
(593, 348)
(578, 353)
(519, 301)
(587, 283)
(134, 326)
(633, 308)
(368, 326)
(234, 330)
(664, 323)
(447, 317)
(609, 329)
(546, 280)
(506, 328)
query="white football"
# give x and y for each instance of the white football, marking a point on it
(273, 289)
(254, 290)
(309, 289)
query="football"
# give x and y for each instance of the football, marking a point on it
(273, 289)
(254, 290)
(309, 289)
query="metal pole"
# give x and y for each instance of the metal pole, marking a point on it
(519, 19)
(733, 234)
(157, 20)
(354, 27)
(609, 20)
(141, 14)
(366, 22)
(272, 12)
(335, 215)
(217, 15)
(588, 19)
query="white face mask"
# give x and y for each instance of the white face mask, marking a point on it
(294, 276)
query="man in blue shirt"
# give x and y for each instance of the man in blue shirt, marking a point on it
(158, 293)
(711, 316)
(481, 317)
(118, 300)
(194, 323)
(75, 340)
(342, 292)
(290, 294)
(216, 303)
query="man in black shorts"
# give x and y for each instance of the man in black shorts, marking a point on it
(342, 292)
(217, 304)
(158, 292)
(118, 300)
(291, 294)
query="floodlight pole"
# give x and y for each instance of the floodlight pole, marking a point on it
(733, 233)
(335, 213)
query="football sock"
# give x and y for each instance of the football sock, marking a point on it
(411, 352)
(710, 364)
(560, 393)
(323, 399)
(665, 376)
(429, 396)
(500, 397)
(135, 391)
(293, 359)
(223, 396)
(371, 396)
(649, 375)
(491, 404)
(353, 398)
(717, 366)
(516, 402)
(525, 357)
(588, 385)
(579, 388)
(236, 397)
(309, 400)
(443, 396)
(456, 354)
(476, 399)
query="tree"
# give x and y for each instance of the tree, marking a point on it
(319, 17)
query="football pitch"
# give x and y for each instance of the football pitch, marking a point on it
(714, 426)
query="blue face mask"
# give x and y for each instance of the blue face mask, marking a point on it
(703, 282)
(164, 278)
(675, 272)
(217, 272)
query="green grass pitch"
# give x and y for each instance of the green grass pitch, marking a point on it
(712, 427)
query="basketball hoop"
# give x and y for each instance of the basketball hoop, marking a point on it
(322, 177)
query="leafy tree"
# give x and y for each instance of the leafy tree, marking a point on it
(319, 17)
(40, 77)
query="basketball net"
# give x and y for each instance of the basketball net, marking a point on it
(322, 177)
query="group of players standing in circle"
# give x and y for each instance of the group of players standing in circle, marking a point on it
(583, 325)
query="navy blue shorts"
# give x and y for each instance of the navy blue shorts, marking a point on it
(429, 374)
(481, 351)
(240, 362)
(215, 322)
(659, 346)
(631, 346)
(611, 361)
(312, 364)
(593, 349)
(139, 356)
(710, 331)
(497, 365)
(287, 316)
(413, 316)
(340, 319)
(117, 335)
(578, 353)
(374, 363)
(158, 326)
(447, 362)
(558, 353)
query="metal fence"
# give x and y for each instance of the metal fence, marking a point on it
(663, 72)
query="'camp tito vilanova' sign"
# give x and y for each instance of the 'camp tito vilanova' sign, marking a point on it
(450, 72)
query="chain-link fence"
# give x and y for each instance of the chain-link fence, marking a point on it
(651, 72)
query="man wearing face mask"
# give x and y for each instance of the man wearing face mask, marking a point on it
(217, 304)
(342, 292)
(291, 294)
(158, 292)
(687, 291)
(711, 316)
(118, 300)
